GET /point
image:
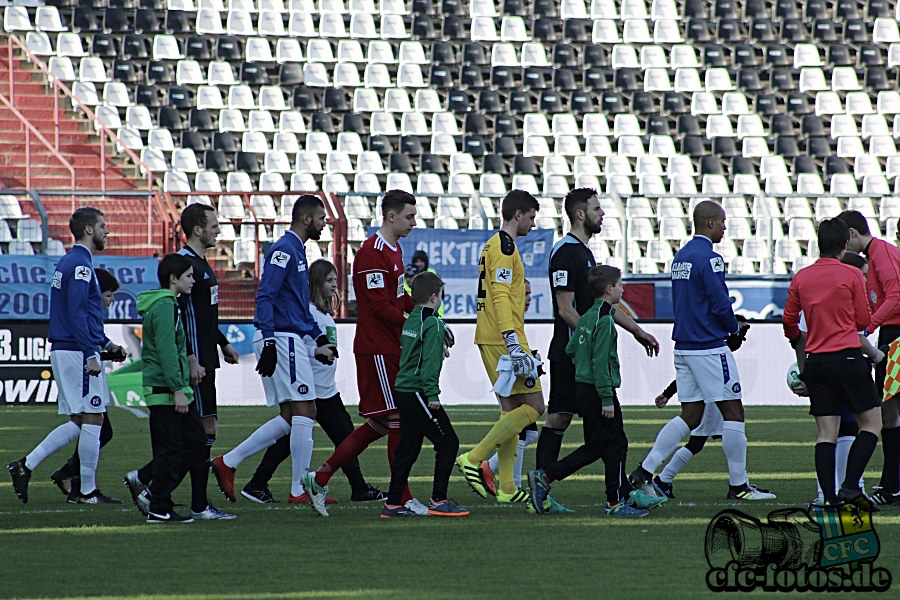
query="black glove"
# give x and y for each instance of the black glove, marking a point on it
(114, 356)
(537, 355)
(323, 340)
(735, 340)
(268, 359)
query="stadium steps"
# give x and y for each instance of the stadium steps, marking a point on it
(78, 143)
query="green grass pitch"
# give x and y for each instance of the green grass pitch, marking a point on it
(51, 549)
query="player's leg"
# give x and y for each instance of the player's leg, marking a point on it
(439, 431)
(62, 477)
(194, 436)
(669, 437)
(492, 465)
(93, 411)
(663, 481)
(622, 499)
(168, 463)
(407, 451)
(888, 491)
(207, 407)
(68, 372)
(335, 421)
(278, 388)
(825, 406)
(856, 390)
(560, 410)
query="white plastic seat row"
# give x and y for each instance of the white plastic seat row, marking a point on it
(636, 31)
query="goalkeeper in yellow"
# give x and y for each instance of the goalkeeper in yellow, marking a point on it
(500, 336)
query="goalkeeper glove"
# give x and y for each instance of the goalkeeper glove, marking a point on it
(523, 363)
(268, 359)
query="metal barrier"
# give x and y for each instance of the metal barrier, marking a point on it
(58, 87)
(31, 130)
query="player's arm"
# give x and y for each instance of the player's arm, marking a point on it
(602, 347)
(432, 358)
(887, 273)
(77, 290)
(860, 304)
(563, 267)
(870, 351)
(790, 318)
(648, 341)
(666, 395)
(719, 301)
(498, 270)
(565, 303)
(270, 282)
(163, 326)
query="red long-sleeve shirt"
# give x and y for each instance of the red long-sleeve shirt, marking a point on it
(832, 296)
(883, 283)
(381, 300)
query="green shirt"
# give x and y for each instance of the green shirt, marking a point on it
(593, 346)
(164, 350)
(421, 354)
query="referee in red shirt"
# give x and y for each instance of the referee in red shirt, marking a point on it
(832, 296)
(883, 287)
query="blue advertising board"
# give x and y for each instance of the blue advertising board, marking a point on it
(25, 285)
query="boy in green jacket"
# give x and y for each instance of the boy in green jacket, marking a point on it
(177, 434)
(593, 348)
(417, 394)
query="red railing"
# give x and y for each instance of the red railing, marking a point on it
(333, 208)
(58, 87)
(31, 130)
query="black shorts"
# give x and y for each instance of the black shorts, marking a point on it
(205, 394)
(562, 388)
(836, 379)
(886, 335)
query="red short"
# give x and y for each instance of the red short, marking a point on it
(375, 376)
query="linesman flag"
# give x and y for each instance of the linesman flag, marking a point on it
(892, 371)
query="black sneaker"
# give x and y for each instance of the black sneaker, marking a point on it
(880, 496)
(62, 478)
(74, 491)
(662, 488)
(97, 497)
(372, 494)
(640, 477)
(168, 517)
(262, 496)
(857, 498)
(21, 475)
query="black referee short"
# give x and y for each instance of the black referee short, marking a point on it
(562, 388)
(205, 394)
(836, 379)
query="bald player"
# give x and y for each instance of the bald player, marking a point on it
(705, 370)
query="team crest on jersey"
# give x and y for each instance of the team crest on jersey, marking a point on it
(503, 275)
(57, 280)
(303, 389)
(560, 278)
(206, 275)
(718, 264)
(873, 296)
(736, 388)
(96, 402)
(375, 280)
(529, 382)
(83, 273)
(280, 259)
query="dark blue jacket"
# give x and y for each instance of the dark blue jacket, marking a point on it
(282, 300)
(703, 314)
(76, 305)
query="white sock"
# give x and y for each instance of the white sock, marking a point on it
(677, 462)
(530, 436)
(494, 462)
(667, 440)
(267, 434)
(57, 439)
(301, 450)
(89, 454)
(734, 444)
(842, 451)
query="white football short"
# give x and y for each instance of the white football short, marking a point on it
(293, 378)
(711, 424)
(707, 375)
(78, 392)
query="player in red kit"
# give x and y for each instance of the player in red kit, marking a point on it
(381, 301)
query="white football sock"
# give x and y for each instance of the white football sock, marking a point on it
(842, 451)
(494, 462)
(734, 444)
(676, 463)
(301, 450)
(667, 440)
(267, 434)
(89, 454)
(57, 439)
(530, 436)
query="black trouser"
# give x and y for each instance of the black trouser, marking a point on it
(179, 447)
(417, 422)
(603, 438)
(335, 421)
(73, 465)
